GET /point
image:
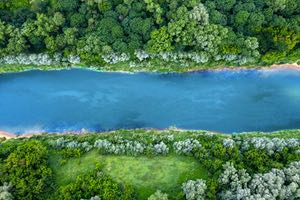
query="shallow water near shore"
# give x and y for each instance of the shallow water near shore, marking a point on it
(223, 101)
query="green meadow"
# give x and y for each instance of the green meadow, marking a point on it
(146, 174)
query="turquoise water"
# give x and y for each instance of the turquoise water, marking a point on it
(225, 101)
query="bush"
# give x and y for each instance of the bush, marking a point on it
(187, 146)
(5, 192)
(276, 184)
(194, 190)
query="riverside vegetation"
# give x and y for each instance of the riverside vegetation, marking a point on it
(147, 35)
(154, 165)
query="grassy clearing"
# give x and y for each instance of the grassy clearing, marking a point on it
(144, 173)
(280, 134)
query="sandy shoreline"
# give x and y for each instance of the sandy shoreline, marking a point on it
(7, 135)
(294, 66)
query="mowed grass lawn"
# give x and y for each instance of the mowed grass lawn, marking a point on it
(146, 174)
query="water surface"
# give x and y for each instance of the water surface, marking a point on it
(225, 101)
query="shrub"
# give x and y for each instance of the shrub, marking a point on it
(161, 148)
(276, 184)
(187, 146)
(194, 190)
(5, 192)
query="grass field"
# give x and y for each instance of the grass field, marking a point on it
(144, 173)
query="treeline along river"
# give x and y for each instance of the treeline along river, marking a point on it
(224, 101)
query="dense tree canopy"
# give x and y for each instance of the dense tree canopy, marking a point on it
(26, 168)
(91, 29)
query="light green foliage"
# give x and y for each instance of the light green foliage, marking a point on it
(95, 184)
(154, 7)
(103, 5)
(27, 170)
(149, 173)
(158, 195)
(199, 14)
(16, 44)
(208, 38)
(70, 36)
(15, 4)
(58, 19)
(89, 48)
(276, 4)
(160, 41)
(273, 57)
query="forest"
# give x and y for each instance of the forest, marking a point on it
(147, 34)
(153, 165)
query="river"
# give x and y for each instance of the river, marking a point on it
(223, 101)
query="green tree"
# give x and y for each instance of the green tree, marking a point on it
(104, 5)
(120, 46)
(16, 43)
(141, 26)
(58, 19)
(28, 171)
(217, 17)
(241, 18)
(225, 5)
(77, 20)
(110, 30)
(90, 48)
(66, 5)
(276, 5)
(160, 41)
(154, 7)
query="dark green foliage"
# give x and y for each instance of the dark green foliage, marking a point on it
(110, 30)
(216, 28)
(66, 5)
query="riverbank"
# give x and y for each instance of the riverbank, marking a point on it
(7, 135)
(293, 66)
(292, 133)
(126, 68)
(146, 160)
